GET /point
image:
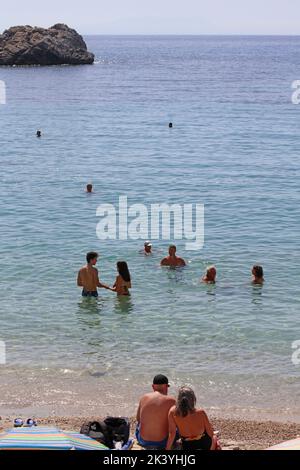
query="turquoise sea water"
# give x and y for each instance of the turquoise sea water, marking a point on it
(234, 147)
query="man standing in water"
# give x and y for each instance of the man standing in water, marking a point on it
(88, 277)
(173, 260)
(152, 416)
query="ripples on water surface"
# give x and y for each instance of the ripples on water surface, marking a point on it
(234, 147)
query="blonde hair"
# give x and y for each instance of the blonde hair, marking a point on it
(186, 401)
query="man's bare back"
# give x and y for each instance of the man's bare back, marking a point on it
(152, 416)
(88, 278)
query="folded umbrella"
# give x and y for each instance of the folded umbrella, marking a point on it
(46, 438)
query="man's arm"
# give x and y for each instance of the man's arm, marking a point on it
(138, 414)
(172, 429)
(79, 281)
(99, 284)
(164, 262)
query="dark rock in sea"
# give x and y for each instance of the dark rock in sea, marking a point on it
(58, 45)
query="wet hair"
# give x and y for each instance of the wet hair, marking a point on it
(123, 270)
(89, 186)
(186, 402)
(259, 272)
(91, 255)
(173, 246)
(211, 269)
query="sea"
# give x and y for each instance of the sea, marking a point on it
(234, 147)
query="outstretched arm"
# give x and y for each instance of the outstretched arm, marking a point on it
(101, 285)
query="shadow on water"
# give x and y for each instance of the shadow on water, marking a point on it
(256, 294)
(123, 304)
(210, 290)
(89, 310)
(175, 274)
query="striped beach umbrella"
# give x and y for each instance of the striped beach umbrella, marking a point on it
(46, 438)
(293, 444)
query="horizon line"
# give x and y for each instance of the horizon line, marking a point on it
(193, 34)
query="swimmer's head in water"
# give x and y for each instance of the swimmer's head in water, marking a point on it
(92, 257)
(211, 274)
(148, 246)
(38, 133)
(172, 250)
(170, 125)
(89, 188)
(258, 271)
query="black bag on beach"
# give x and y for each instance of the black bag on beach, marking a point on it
(118, 430)
(96, 430)
(109, 431)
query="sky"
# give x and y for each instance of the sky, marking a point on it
(157, 16)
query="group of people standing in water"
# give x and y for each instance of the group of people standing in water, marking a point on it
(88, 277)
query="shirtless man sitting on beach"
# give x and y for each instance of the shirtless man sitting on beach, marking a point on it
(173, 260)
(152, 416)
(88, 277)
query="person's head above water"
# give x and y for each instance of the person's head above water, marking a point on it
(92, 257)
(160, 384)
(147, 246)
(89, 188)
(38, 133)
(210, 275)
(170, 125)
(258, 273)
(123, 270)
(172, 250)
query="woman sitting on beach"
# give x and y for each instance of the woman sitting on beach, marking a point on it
(123, 280)
(192, 423)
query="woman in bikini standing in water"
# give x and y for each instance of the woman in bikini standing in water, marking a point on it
(123, 280)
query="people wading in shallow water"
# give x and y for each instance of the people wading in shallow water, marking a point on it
(88, 277)
(172, 260)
